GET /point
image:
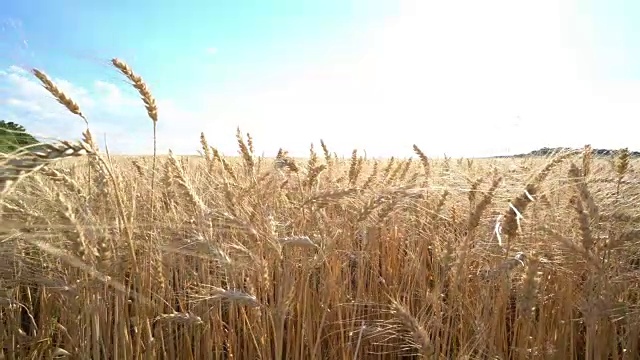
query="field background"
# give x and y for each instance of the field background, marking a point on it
(216, 257)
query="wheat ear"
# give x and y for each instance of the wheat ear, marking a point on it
(60, 96)
(152, 111)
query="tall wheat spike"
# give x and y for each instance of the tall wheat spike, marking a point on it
(150, 104)
(59, 95)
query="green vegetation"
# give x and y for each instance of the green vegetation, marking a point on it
(13, 137)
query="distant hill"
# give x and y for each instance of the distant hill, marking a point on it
(545, 151)
(14, 136)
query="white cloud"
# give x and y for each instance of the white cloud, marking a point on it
(456, 77)
(22, 104)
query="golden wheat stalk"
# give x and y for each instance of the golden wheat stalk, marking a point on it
(59, 95)
(152, 111)
(141, 86)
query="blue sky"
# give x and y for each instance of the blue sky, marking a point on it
(460, 77)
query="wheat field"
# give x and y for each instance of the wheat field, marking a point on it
(247, 257)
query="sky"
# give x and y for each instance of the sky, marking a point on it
(457, 77)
